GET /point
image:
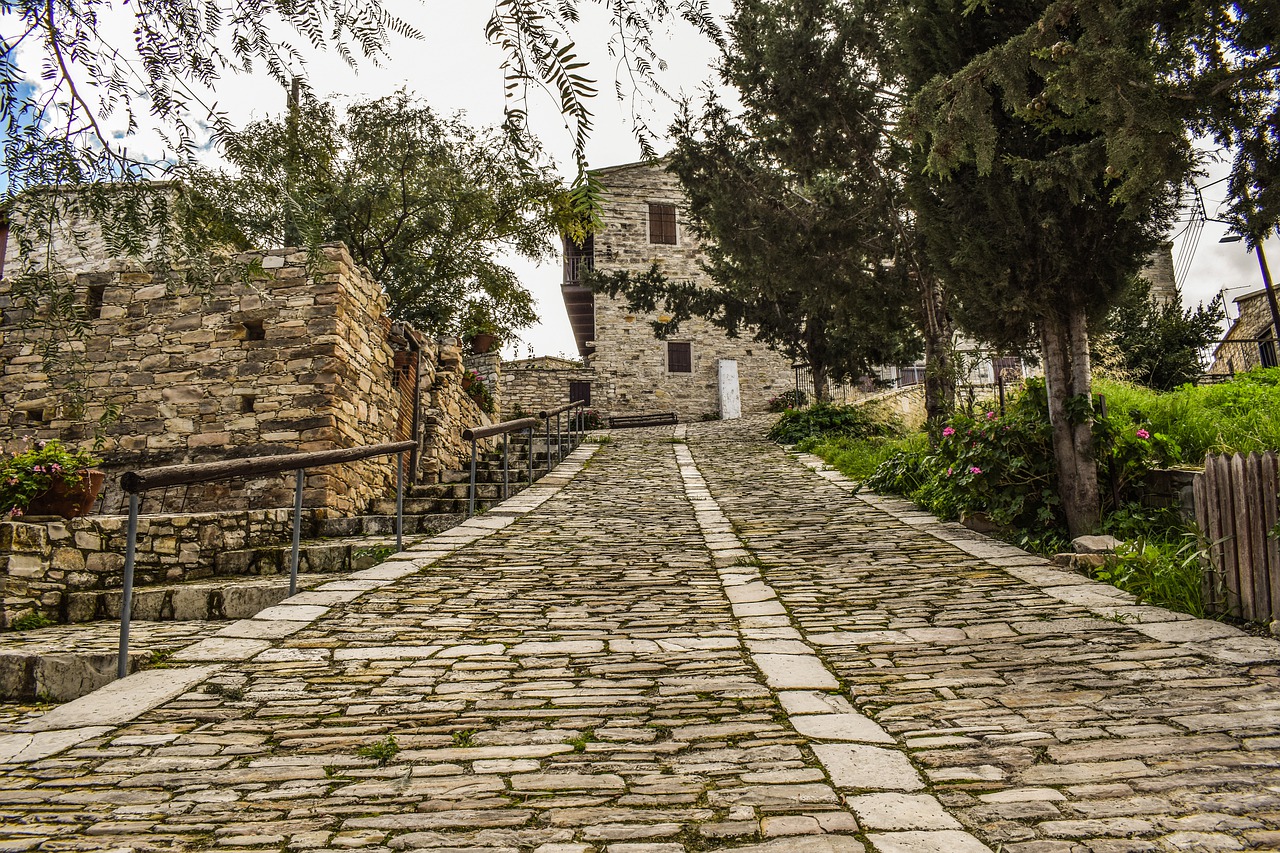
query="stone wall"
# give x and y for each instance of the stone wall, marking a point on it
(268, 357)
(531, 387)
(43, 566)
(629, 364)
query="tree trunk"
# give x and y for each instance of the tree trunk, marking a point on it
(938, 330)
(1065, 342)
(821, 387)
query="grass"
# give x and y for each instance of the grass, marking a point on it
(1242, 416)
(856, 457)
(579, 742)
(1164, 574)
(464, 738)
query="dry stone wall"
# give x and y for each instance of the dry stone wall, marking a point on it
(629, 365)
(269, 357)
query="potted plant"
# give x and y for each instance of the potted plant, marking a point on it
(49, 479)
(479, 329)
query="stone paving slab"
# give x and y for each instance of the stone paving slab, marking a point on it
(688, 641)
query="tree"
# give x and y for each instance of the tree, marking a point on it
(1154, 343)
(1033, 240)
(426, 203)
(790, 196)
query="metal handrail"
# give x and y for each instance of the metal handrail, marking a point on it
(546, 414)
(503, 428)
(137, 482)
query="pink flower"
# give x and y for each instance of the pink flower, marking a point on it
(991, 416)
(975, 470)
(1143, 434)
(948, 431)
(55, 468)
(948, 472)
(15, 512)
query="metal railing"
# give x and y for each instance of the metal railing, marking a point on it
(503, 429)
(574, 421)
(574, 425)
(135, 483)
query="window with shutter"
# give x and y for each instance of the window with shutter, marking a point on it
(679, 357)
(662, 224)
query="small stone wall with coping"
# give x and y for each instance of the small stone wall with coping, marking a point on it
(530, 388)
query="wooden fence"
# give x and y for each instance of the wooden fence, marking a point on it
(1236, 508)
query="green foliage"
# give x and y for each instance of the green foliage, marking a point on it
(30, 622)
(479, 392)
(1001, 466)
(1156, 345)
(374, 554)
(858, 458)
(464, 737)
(1240, 416)
(579, 742)
(428, 204)
(381, 751)
(827, 419)
(26, 475)
(1166, 574)
(591, 419)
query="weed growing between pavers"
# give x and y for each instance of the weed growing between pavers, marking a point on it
(579, 742)
(31, 622)
(378, 553)
(235, 694)
(381, 751)
(465, 737)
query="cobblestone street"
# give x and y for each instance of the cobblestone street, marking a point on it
(681, 640)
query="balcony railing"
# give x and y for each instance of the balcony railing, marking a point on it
(575, 266)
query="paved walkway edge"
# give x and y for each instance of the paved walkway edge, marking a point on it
(126, 699)
(1199, 636)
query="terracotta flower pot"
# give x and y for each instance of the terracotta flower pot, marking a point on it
(483, 342)
(69, 501)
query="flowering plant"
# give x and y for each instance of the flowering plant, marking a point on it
(28, 475)
(591, 419)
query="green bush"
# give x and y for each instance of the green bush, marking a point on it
(787, 400)
(1003, 467)
(827, 419)
(1166, 574)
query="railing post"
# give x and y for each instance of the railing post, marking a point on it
(530, 432)
(400, 501)
(126, 598)
(506, 468)
(471, 502)
(559, 441)
(548, 445)
(298, 477)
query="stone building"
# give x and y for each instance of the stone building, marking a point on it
(627, 369)
(276, 352)
(1251, 340)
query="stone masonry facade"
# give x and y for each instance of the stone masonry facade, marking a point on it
(1241, 351)
(278, 352)
(629, 365)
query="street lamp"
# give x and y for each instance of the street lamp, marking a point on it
(1266, 284)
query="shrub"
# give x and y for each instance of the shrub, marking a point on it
(591, 419)
(827, 419)
(1003, 467)
(1163, 574)
(858, 458)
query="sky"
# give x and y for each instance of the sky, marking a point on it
(454, 68)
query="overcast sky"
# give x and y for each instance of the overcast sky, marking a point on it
(454, 68)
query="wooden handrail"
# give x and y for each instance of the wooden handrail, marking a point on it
(477, 433)
(550, 413)
(135, 482)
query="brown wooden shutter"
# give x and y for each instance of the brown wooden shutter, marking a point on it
(679, 357)
(662, 224)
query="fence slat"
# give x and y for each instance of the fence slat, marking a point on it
(1270, 516)
(1256, 536)
(1208, 575)
(1243, 543)
(1224, 535)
